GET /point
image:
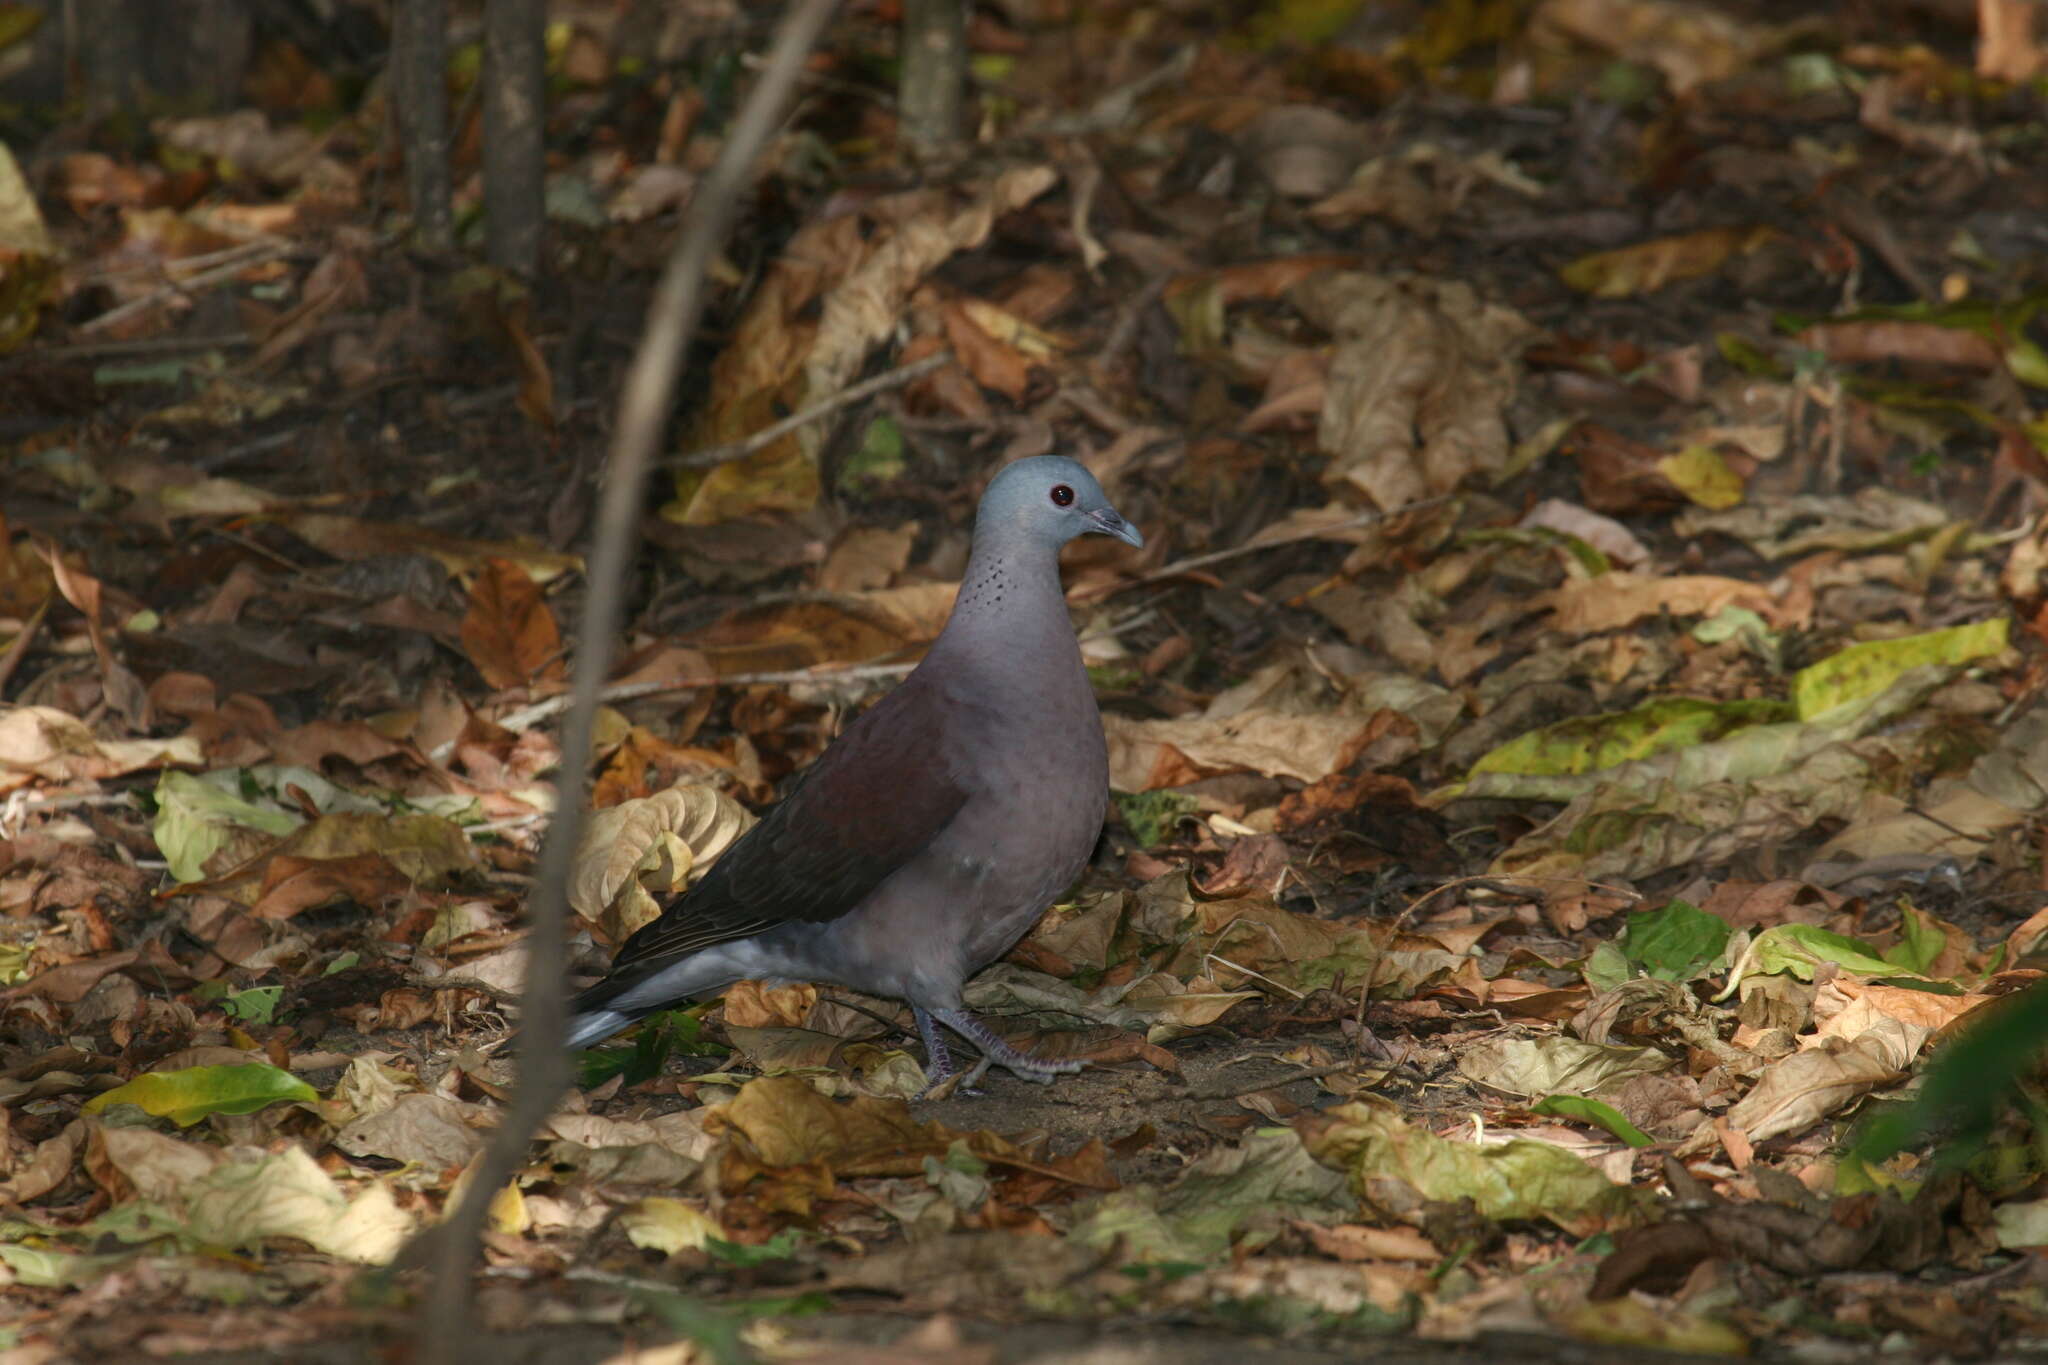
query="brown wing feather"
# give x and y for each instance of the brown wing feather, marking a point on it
(878, 796)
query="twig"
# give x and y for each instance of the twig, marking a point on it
(673, 314)
(1203, 561)
(1256, 976)
(464, 983)
(242, 253)
(254, 253)
(142, 346)
(18, 803)
(824, 407)
(1310, 1074)
(17, 650)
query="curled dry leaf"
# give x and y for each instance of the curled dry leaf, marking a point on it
(1806, 1087)
(650, 846)
(42, 742)
(1604, 534)
(1304, 150)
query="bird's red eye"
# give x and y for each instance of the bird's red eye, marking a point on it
(1062, 496)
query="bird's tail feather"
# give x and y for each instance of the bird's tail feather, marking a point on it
(597, 1013)
(601, 1010)
(588, 1029)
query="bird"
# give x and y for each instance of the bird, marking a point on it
(934, 831)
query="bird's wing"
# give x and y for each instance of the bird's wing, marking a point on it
(878, 796)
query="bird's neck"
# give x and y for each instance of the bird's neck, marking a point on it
(1010, 603)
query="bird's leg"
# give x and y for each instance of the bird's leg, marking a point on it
(938, 1062)
(1031, 1068)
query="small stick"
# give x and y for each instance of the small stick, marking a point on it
(712, 456)
(1203, 561)
(174, 288)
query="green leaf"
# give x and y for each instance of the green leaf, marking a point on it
(257, 1005)
(1586, 744)
(1920, 942)
(197, 815)
(1680, 942)
(1152, 815)
(671, 1033)
(1968, 1083)
(1230, 1197)
(1370, 1140)
(879, 458)
(780, 1247)
(1582, 1110)
(187, 1096)
(1607, 967)
(1746, 356)
(1797, 948)
(1865, 670)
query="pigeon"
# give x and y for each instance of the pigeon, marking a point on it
(932, 834)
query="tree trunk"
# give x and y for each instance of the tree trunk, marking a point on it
(931, 93)
(515, 113)
(419, 96)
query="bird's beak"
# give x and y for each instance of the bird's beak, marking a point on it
(1109, 523)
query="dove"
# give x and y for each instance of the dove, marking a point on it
(934, 832)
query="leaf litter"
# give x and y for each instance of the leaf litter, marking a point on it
(1577, 730)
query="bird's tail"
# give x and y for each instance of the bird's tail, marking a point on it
(601, 1010)
(591, 1028)
(598, 1012)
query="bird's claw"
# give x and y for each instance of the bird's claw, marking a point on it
(1037, 1070)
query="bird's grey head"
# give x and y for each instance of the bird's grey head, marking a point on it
(1052, 499)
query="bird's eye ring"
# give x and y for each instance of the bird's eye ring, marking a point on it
(1062, 496)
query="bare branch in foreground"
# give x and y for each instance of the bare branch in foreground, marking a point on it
(672, 317)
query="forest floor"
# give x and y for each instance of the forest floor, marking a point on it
(1576, 724)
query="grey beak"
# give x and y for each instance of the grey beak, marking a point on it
(1110, 523)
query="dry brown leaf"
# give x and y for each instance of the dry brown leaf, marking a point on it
(1876, 342)
(865, 309)
(42, 742)
(1420, 375)
(1614, 600)
(1358, 1242)
(1604, 534)
(353, 538)
(2008, 48)
(867, 557)
(1649, 266)
(995, 364)
(433, 1131)
(781, 1121)
(1798, 1092)
(754, 1004)
(847, 628)
(509, 633)
(1296, 385)
(1688, 44)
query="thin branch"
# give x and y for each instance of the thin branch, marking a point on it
(253, 254)
(1203, 561)
(672, 317)
(824, 407)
